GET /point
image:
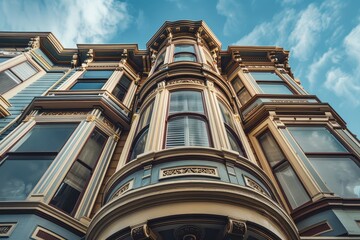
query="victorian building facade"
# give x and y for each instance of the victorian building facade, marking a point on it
(182, 140)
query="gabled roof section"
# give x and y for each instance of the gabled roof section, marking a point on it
(184, 28)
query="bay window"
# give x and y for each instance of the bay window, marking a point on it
(271, 83)
(184, 52)
(287, 178)
(337, 168)
(92, 80)
(16, 75)
(27, 161)
(187, 122)
(69, 194)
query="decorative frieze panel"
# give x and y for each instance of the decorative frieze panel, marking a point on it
(255, 186)
(185, 81)
(6, 229)
(62, 113)
(188, 171)
(124, 188)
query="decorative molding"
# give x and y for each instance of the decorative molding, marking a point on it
(28, 118)
(210, 85)
(6, 229)
(108, 123)
(90, 118)
(185, 81)
(255, 186)
(142, 232)
(74, 61)
(41, 233)
(124, 56)
(33, 43)
(124, 188)
(188, 171)
(236, 56)
(236, 227)
(4, 105)
(62, 113)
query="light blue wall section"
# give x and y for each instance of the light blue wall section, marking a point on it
(329, 216)
(226, 173)
(23, 98)
(27, 223)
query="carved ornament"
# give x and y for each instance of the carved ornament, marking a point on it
(188, 170)
(255, 186)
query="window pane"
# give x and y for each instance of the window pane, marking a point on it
(97, 74)
(197, 132)
(234, 143)
(270, 148)
(294, 191)
(121, 88)
(274, 88)
(19, 177)
(119, 92)
(139, 146)
(184, 48)
(244, 96)
(341, 175)
(45, 138)
(92, 149)
(186, 101)
(7, 81)
(146, 116)
(69, 192)
(316, 139)
(184, 57)
(176, 132)
(237, 84)
(187, 131)
(24, 70)
(160, 59)
(93, 85)
(265, 76)
(226, 115)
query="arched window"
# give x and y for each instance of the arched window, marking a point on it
(187, 122)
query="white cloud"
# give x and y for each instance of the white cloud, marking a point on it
(320, 64)
(231, 9)
(178, 3)
(298, 30)
(266, 34)
(344, 85)
(352, 44)
(72, 22)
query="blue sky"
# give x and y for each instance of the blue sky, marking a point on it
(323, 36)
